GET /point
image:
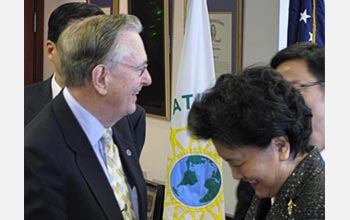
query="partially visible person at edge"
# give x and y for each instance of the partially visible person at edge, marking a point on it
(261, 126)
(302, 64)
(37, 95)
(103, 64)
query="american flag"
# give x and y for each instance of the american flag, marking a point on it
(306, 21)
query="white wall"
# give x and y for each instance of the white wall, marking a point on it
(260, 43)
(260, 30)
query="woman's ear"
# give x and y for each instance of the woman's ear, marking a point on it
(282, 146)
(98, 78)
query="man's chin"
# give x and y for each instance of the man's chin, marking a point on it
(131, 109)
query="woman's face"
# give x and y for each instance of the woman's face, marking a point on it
(262, 168)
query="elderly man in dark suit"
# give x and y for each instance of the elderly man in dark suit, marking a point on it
(67, 172)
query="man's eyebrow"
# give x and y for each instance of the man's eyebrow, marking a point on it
(294, 81)
(143, 64)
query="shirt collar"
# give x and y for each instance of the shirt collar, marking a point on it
(91, 126)
(55, 88)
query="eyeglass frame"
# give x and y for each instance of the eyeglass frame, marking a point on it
(307, 85)
(142, 67)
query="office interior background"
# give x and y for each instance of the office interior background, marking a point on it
(264, 27)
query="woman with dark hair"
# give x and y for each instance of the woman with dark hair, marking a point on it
(260, 124)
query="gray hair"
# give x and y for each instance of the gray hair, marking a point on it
(92, 41)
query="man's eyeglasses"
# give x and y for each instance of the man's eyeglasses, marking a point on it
(141, 69)
(301, 87)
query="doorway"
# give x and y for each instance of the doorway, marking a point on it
(33, 41)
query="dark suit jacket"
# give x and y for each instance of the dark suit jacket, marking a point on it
(63, 178)
(245, 193)
(36, 96)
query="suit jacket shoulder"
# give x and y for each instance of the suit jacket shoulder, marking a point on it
(36, 96)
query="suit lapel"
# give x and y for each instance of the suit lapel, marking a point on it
(86, 159)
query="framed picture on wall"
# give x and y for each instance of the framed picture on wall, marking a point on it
(155, 199)
(226, 33)
(154, 16)
(108, 6)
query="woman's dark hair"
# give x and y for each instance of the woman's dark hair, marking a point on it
(250, 109)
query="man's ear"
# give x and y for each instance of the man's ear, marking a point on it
(282, 146)
(98, 78)
(50, 47)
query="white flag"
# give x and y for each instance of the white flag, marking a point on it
(194, 183)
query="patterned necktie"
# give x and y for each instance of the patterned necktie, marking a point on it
(116, 172)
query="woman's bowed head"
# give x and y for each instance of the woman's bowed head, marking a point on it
(259, 124)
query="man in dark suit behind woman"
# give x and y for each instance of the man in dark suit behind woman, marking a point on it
(104, 66)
